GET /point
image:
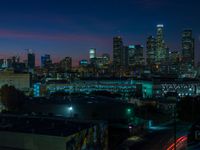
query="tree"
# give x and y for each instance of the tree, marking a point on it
(12, 98)
(188, 109)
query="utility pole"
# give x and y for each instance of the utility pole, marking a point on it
(175, 126)
(175, 114)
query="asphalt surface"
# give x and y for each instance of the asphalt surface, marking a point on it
(156, 139)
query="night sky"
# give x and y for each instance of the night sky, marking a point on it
(69, 28)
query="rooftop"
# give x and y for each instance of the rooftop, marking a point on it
(54, 126)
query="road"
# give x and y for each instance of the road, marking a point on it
(160, 139)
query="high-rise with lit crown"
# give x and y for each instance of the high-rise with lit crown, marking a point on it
(161, 50)
(187, 47)
(92, 53)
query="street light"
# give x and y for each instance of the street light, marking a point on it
(70, 109)
(128, 110)
(129, 114)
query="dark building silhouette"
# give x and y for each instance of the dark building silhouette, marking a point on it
(187, 48)
(117, 52)
(66, 64)
(139, 58)
(46, 61)
(151, 50)
(31, 60)
(125, 57)
(131, 55)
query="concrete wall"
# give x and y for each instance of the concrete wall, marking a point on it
(19, 81)
(32, 141)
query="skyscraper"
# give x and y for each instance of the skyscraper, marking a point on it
(161, 50)
(139, 58)
(46, 61)
(135, 55)
(174, 62)
(151, 50)
(125, 57)
(174, 57)
(31, 61)
(131, 55)
(92, 53)
(106, 58)
(66, 64)
(118, 50)
(187, 47)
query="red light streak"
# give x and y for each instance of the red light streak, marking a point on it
(178, 142)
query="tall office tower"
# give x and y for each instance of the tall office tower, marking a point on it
(92, 53)
(66, 64)
(161, 50)
(31, 61)
(139, 54)
(151, 50)
(118, 50)
(187, 47)
(46, 61)
(135, 55)
(106, 58)
(174, 57)
(125, 57)
(174, 62)
(131, 55)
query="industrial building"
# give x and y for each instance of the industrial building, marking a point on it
(49, 133)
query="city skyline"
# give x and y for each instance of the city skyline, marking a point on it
(75, 28)
(26, 52)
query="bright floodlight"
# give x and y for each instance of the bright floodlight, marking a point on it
(128, 110)
(70, 108)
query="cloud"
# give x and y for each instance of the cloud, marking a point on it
(12, 34)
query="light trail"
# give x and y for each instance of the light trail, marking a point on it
(179, 142)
